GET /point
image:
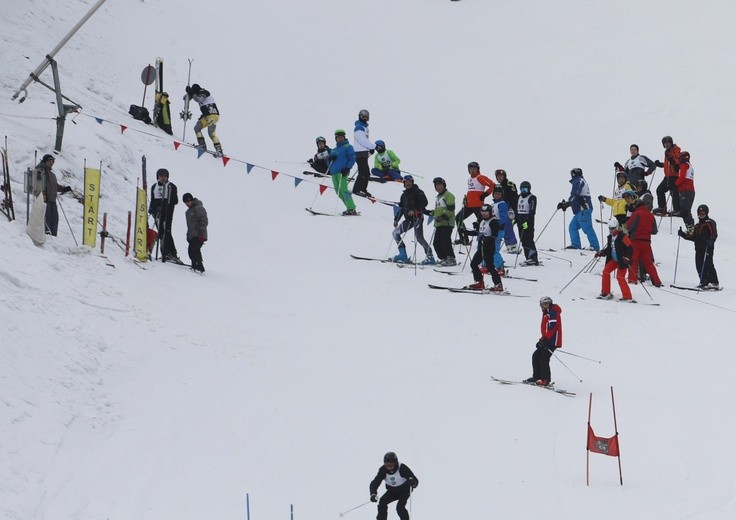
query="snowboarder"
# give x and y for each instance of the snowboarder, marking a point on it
(502, 214)
(618, 253)
(511, 196)
(551, 340)
(342, 158)
(617, 203)
(363, 149)
(479, 187)
(685, 183)
(197, 223)
(526, 209)
(671, 167)
(321, 160)
(50, 188)
(488, 229)
(400, 482)
(164, 198)
(582, 210)
(637, 167)
(412, 206)
(210, 117)
(641, 225)
(386, 163)
(444, 223)
(704, 236)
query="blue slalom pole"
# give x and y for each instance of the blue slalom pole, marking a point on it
(247, 506)
(292, 511)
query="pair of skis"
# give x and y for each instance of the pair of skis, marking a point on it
(550, 387)
(467, 290)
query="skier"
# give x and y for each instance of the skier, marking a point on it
(640, 226)
(511, 196)
(321, 160)
(686, 190)
(479, 187)
(363, 148)
(386, 163)
(637, 167)
(444, 223)
(526, 209)
(643, 193)
(582, 210)
(550, 341)
(618, 253)
(704, 236)
(501, 213)
(164, 198)
(210, 117)
(50, 187)
(412, 206)
(197, 223)
(342, 158)
(400, 482)
(671, 167)
(488, 229)
(617, 203)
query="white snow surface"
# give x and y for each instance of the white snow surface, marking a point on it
(288, 369)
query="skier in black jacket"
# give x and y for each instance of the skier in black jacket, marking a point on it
(412, 206)
(400, 481)
(164, 198)
(704, 236)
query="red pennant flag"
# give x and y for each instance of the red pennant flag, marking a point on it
(274, 174)
(603, 445)
(322, 188)
(225, 160)
(176, 145)
(123, 128)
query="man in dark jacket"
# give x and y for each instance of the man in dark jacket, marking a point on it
(526, 209)
(400, 481)
(704, 236)
(50, 188)
(511, 196)
(412, 206)
(197, 223)
(164, 198)
(551, 340)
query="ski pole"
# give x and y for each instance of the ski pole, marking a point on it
(581, 357)
(646, 291)
(579, 273)
(412, 174)
(600, 207)
(564, 365)
(558, 258)
(70, 226)
(702, 269)
(564, 228)
(354, 508)
(677, 257)
(592, 266)
(547, 224)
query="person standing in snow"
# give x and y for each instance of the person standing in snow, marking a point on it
(640, 227)
(551, 340)
(164, 198)
(363, 149)
(400, 482)
(50, 188)
(321, 160)
(617, 203)
(412, 206)
(342, 158)
(582, 211)
(386, 163)
(704, 236)
(511, 196)
(637, 166)
(501, 214)
(618, 253)
(487, 233)
(479, 187)
(209, 118)
(671, 167)
(526, 209)
(685, 183)
(444, 223)
(197, 223)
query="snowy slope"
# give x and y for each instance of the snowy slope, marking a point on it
(289, 369)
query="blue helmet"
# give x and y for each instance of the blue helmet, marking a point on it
(380, 144)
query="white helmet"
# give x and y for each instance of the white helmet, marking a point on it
(613, 223)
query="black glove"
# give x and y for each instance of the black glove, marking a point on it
(601, 198)
(413, 482)
(66, 189)
(345, 171)
(618, 166)
(476, 225)
(680, 233)
(542, 343)
(563, 205)
(658, 164)
(188, 90)
(374, 498)
(483, 195)
(310, 161)
(372, 151)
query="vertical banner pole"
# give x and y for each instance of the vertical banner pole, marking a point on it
(292, 511)
(127, 236)
(615, 427)
(247, 506)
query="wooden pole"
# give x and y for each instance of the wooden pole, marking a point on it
(587, 448)
(615, 427)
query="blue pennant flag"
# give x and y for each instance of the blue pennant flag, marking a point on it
(248, 167)
(99, 120)
(297, 181)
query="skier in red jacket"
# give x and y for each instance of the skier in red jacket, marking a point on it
(551, 340)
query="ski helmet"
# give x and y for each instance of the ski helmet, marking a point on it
(339, 131)
(642, 184)
(545, 300)
(391, 457)
(501, 171)
(408, 178)
(525, 187)
(162, 172)
(667, 139)
(621, 173)
(48, 157)
(196, 88)
(439, 180)
(364, 115)
(380, 144)
(321, 139)
(703, 208)
(613, 223)
(576, 172)
(473, 164)
(486, 208)
(685, 156)
(629, 193)
(498, 189)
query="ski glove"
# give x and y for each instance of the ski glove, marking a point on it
(374, 498)
(525, 225)
(66, 189)
(618, 166)
(413, 482)
(601, 198)
(563, 205)
(658, 164)
(345, 171)
(543, 343)
(201, 239)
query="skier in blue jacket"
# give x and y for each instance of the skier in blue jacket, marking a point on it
(582, 211)
(342, 158)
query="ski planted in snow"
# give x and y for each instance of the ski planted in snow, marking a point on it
(186, 114)
(549, 387)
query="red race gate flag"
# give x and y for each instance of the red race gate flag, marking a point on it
(603, 445)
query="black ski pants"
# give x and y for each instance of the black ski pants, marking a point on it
(443, 242)
(164, 234)
(364, 172)
(527, 240)
(668, 184)
(485, 251)
(540, 363)
(392, 495)
(195, 254)
(704, 264)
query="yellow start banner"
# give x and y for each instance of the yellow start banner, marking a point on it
(141, 227)
(91, 206)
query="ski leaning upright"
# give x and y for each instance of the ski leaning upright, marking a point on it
(186, 114)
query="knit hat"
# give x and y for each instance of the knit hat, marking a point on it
(187, 197)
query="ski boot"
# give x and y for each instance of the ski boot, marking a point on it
(401, 257)
(602, 296)
(218, 150)
(429, 260)
(477, 286)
